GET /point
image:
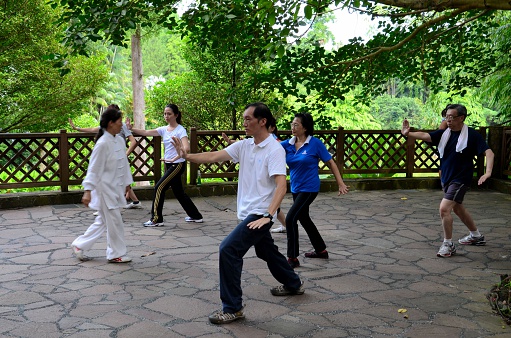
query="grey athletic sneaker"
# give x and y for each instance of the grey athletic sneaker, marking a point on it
(221, 317)
(446, 250)
(470, 240)
(282, 290)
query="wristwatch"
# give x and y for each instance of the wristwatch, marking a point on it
(268, 215)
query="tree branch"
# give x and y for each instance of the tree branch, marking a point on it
(442, 5)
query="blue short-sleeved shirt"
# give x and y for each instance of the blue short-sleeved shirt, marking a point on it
(303, 164)
(459, 167)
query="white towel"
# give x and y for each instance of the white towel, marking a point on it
(462, 140)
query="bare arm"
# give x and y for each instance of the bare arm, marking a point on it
(83, 130)
(420, 135)
(133, 144)
(490, 156)
(343, 188)
(186, 143)
(280, 192)
(207, 157)
(143, 132)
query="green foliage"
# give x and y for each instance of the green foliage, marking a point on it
(198, 101)
(478, 114)
(495, 89)
(163, 54)
(391, 111)
(438, 46)
(33, 95)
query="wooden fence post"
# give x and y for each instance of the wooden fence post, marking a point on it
(340, 149)
(63, 161)
(410, 156)
(480, 159)
(194, 148)
(496, 141)
(157, 155)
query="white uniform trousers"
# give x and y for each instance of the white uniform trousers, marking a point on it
(111, 221)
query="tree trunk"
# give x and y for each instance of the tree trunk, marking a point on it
(137, 81)
(234, 100)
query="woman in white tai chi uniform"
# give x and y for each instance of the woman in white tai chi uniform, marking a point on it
(107, 180)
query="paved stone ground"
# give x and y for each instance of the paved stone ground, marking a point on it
(382, 248)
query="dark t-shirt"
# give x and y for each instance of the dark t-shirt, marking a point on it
(459, 167)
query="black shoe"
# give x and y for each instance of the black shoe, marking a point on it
(314, 254)
(293, 262)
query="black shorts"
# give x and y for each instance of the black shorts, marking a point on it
(455, 191)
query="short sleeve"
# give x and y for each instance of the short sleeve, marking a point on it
(323, 153)
(234, 150)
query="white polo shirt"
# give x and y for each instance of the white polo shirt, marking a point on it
(258, 164)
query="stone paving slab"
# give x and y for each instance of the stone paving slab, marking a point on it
(382, 247)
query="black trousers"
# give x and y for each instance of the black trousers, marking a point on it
(300, 212)
(172, 179)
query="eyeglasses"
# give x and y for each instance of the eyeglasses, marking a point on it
(295, 125)
(450, 117)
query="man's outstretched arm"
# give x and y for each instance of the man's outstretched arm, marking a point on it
(420, 135)
(206, 157)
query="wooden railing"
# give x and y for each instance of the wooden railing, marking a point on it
(362, 152)
(36, 160)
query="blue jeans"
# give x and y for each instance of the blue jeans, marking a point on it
(299, 211)
(232, 250)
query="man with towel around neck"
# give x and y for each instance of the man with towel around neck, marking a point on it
(457, 146)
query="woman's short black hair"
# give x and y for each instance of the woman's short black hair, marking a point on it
(307, 122)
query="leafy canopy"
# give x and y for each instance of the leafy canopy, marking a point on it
(33, 95)
(416, 40)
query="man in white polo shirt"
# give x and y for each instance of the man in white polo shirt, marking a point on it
(261, 188)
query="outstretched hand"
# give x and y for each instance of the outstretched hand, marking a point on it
(180, 149)
(227, 139)
(405, 129)
(128, 123)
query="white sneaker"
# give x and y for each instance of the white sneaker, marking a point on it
(123, 259)
(133, 206)
(189, 219)
(280, 229)
(446, 250)
(96, 213)
(152, 224)
(79, 253)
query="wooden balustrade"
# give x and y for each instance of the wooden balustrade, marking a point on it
(60, 159)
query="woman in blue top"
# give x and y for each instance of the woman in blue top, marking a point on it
(303, 153)
(173, 170)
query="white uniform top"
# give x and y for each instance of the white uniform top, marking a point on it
(108, 173)
(166, 136)
(258, 164)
